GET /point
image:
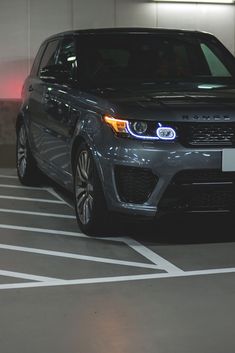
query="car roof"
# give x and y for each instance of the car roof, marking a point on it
(127, 30)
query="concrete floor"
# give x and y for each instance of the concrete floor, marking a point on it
(164, 287)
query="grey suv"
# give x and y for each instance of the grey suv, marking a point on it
(134, 120)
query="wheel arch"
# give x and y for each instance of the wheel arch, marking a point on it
(22, 119)
(77, 142)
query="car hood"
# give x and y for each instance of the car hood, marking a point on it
(195, 105)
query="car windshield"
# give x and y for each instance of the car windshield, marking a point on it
(109, 60)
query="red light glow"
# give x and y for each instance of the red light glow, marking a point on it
(12, 88)
(12, 76)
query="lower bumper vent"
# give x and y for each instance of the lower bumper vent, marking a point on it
(134, 184)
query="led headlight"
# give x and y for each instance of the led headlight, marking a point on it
(118, 125)
(165, 133)
(144, 130)
(140, 127)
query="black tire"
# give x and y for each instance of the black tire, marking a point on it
(26, 166)
(90, 205)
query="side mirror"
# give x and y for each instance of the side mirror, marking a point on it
(55, 74)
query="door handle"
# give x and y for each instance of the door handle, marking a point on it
(30, 89)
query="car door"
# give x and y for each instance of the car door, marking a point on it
(38, 122)
(60, 118)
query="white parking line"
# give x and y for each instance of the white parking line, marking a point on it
(10, 186)
(55, 232)
(30, 199)
(160, 263)
(8, 176)
(40, 214)
(157, 262)
(27, 276)
(48, 189)
(117, 279)
(43, 231)
(78, 256)
(151, 255)
(135, 245)
(56, 195)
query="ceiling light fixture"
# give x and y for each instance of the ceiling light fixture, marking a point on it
(200, 1)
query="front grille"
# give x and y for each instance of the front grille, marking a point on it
(200, 190)
(134, 184)
(211, 200)
(207, 134)
(198, 176)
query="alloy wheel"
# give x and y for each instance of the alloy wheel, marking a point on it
(22, 151)
(84, 188)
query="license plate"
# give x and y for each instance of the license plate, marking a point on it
(228, 160)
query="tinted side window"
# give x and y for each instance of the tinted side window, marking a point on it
(67, 58)
(37, 60)
(49, 57)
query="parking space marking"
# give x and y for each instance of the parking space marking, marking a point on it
(27, 276)
(151, 255)
(58, 232)
(40, 214)
(11, 186)
(44, 231)
(9, 176)
(56, 195)
(31, 199)
(79, 257)
(156, 262)
(116, 279)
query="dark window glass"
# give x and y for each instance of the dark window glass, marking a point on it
(37, 60)
(120, 59)
(67, 59)
(49, 57)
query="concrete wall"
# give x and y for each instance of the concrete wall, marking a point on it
(25, 23)
(8, 112)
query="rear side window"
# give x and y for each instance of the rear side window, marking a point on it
(49, 57)
(37, 60)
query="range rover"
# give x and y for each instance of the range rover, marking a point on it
(138, 121)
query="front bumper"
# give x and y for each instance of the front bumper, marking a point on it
(164, 160)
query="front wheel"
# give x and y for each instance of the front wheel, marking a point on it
(90, 205)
